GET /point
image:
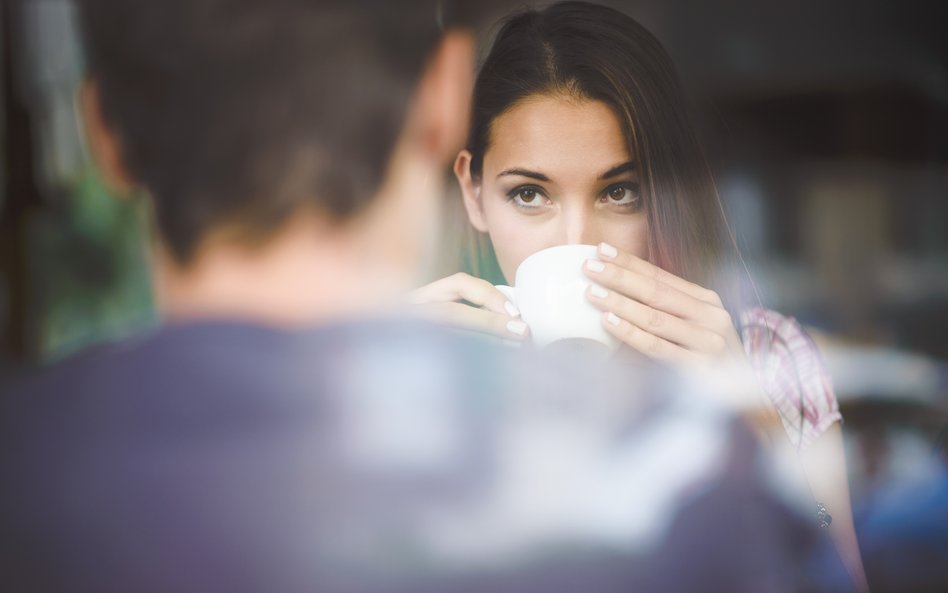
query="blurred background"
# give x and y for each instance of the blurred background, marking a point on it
(826, 123)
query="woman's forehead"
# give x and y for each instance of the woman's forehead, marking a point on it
(557, 133)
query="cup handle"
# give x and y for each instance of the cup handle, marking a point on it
(509, 292)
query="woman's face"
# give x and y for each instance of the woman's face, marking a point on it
(557, 171)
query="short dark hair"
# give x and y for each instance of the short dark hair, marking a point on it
(246, 111)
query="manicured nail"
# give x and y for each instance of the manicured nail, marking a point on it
(595, 265)
(613, 319)
(607, 250)
(598, 291)
(512, 310)
(517, 327)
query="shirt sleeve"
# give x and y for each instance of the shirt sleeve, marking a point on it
(792, 372)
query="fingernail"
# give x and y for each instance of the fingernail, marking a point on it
(512, 310)
(598, 291)
(613, 319)
(607, 250)
(517, 327)
(594, 265)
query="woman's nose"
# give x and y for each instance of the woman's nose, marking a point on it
(580, 229)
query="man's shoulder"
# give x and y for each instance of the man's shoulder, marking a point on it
(233, 377)
(230, 364)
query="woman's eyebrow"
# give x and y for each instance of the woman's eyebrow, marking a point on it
(618, 170)
(524, 173)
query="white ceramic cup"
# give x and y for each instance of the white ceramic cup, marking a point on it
(550, 292)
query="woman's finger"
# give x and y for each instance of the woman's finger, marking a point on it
(686, 334)
(653, 292)
(648, 343)
(472, 318)
(460, 286)
(649, 270)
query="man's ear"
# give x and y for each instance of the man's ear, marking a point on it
(470, 190)
(442, 104)
(103, 143)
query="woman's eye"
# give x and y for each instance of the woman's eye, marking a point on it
(622, 195)
(527, 197)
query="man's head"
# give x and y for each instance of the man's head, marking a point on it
(237, 116)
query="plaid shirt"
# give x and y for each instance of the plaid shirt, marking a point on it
(792, 373)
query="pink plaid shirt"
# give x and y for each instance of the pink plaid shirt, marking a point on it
(792, 373)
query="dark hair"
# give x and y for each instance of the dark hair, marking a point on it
(594, 52)
(242, 112)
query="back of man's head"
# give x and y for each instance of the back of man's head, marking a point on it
(244, 112)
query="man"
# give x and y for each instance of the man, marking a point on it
(282, 431)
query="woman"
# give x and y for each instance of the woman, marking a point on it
(580, 135)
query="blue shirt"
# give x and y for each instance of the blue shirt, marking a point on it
(381, 456)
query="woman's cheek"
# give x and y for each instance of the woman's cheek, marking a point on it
(630, 235)
(513, 241)
(511, 250)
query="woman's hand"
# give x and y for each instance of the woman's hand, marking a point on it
(659, 314)
(489, 310)
(670, 319)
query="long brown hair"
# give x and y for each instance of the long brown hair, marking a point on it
(594, 52)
